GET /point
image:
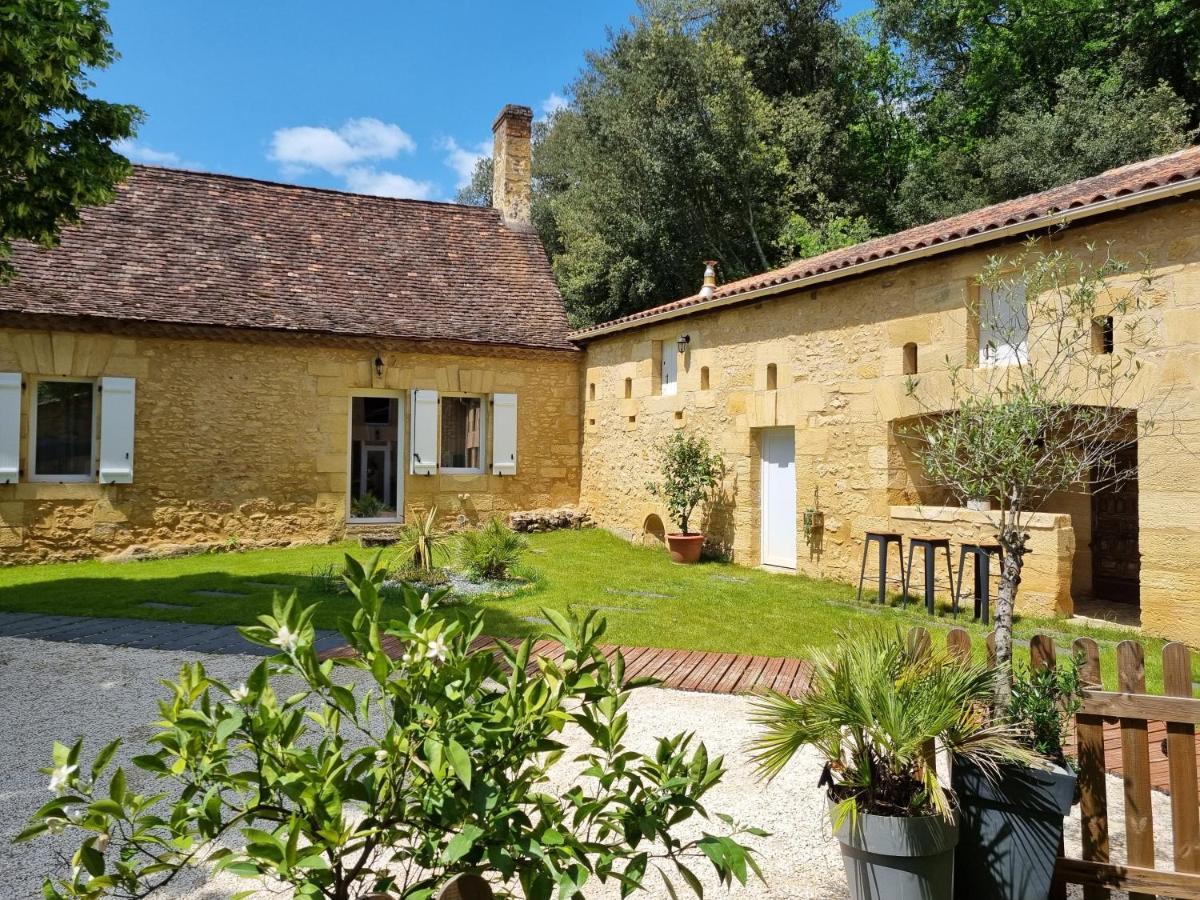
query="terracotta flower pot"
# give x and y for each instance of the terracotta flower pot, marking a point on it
(685, 548)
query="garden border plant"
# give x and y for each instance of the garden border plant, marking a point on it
(412, 770)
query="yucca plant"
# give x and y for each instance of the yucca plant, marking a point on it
(420, 542)
(874, 710)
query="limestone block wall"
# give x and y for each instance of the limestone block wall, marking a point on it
(838, 352)
(249, 441)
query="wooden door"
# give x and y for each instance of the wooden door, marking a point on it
(1116, 560)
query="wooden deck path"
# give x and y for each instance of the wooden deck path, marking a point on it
(734, 673)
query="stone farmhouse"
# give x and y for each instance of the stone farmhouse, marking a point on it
(212, 357)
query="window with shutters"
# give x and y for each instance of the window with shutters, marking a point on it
(62, 430)
(462, 435)
(1003, 324)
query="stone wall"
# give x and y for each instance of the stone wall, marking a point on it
(838, 353)
(249, 441)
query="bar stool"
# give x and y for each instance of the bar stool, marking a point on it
(929, 545)
(883, 539)
(982, 554)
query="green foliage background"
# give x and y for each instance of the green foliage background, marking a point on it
(754, 132)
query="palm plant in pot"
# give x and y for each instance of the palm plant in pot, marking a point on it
(688, 473)
(875, 710)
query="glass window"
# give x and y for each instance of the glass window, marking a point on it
(462, 434)
(1003, 324)
(65, 430)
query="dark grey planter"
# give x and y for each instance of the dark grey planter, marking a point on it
(1011, 830)
(897, 858)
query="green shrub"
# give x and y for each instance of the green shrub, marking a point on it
(491, 552)
(368, 506)
(382, 773)
(1044, 703)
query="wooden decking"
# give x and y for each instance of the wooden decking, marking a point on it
(684, 670)
(734, 673)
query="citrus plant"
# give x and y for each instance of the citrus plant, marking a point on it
(392, 771)
(689, 471)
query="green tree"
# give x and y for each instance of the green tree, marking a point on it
(56, 153)
(479, 191)
(666, 157)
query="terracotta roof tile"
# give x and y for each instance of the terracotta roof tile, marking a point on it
(1120, 182)
(188, 248)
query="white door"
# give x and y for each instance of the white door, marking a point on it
(778, 491)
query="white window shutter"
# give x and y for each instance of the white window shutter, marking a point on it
(424, 432)
(116, 430)
(1003, 324)
(10, 427)
(504, 434)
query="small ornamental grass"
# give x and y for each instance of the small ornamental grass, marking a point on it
(492, 552)
(415, 769)
(874, 708)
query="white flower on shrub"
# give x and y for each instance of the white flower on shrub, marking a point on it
(286, 639)
(381, 756)
(60, 778)
(239, 693)
(437, 650)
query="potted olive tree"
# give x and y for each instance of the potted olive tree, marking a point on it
(874, 710)
(688, 471)
(1050, 407)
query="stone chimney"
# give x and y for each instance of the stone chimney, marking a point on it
(512, 176)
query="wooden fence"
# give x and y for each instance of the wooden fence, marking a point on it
(1135, 713)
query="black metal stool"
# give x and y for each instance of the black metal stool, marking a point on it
(929, 545)
(982, 554)
(883, 539)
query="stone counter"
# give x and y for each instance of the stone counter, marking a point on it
(1046, 577)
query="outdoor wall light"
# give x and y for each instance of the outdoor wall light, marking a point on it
(682, 343)
(379, 366)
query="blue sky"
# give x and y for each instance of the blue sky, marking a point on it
(383, 97)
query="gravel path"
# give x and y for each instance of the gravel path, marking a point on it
(55, 690)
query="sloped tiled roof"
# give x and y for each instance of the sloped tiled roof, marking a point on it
(1115, 183)
(192, 249)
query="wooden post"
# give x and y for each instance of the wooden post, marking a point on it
(958, 644)
(1093, 791)
(1181, 762)
(1135, 763)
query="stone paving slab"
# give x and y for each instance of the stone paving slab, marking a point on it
(143, 634)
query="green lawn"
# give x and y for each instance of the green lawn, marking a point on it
(646, 599)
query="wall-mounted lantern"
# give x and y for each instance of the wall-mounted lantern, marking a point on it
(682, 343)
(379, 367)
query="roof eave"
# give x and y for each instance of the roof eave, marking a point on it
(1114, 204)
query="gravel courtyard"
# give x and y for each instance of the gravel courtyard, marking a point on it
(63, 691)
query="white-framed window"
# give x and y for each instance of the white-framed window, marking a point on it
(669, 383)
(463, 430)
(1003, 324)
(63, 432)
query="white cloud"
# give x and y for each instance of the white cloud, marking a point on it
(143, 154)
(553, 104)
(463, 159)
(365, 180)
(311, 147)
(305, 148)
